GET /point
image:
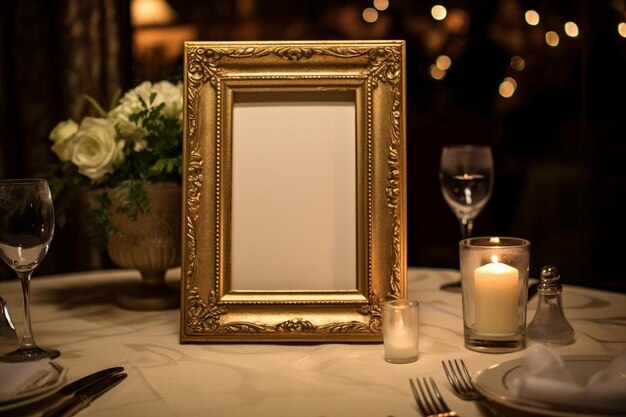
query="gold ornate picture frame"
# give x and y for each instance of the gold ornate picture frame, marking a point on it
(224, 81)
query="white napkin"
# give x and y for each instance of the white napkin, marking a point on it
(544, 378)
(18, 378)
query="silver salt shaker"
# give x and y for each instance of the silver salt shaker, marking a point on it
(549, 325)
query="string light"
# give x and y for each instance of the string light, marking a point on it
(571, 29)
(438, 12)
(512, 81)
(518, 63)
(381, 4)
(370, 15)
(532, 17)
(443, 62)
(552, 38)
(436, 72)
(507, 87)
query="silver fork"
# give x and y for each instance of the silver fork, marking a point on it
(430, 402)
(461, 382)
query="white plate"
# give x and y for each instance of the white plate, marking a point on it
(493, 383)
(40, 393)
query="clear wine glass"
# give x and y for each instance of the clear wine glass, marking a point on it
(26, 230)
(466, 180)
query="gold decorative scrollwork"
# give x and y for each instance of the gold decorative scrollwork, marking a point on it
(202, 315)
(204, 65)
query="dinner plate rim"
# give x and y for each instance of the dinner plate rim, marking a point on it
(500, 370)
(37, 394)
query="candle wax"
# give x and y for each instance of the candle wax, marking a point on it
(400, 342)
(496, 298)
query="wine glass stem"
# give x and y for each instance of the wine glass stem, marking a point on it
(27, 339)
(467, 225)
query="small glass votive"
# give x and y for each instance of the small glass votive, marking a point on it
(401, 330)
(494, 281)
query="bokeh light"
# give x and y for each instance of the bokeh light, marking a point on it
(507, 88)
(532, 17)
(381, 4)
(457, 20)
(621, 29)
(438, 12)
(370, 15)
(552, 38)
(518, 63)
(512, 81)
(571, 29)
(443, 62)
(436, 72)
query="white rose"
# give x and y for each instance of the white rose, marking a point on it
(165, 92)
(172, 96)
(130, 103)
(95, 149)
(60, 135)
(132, 133)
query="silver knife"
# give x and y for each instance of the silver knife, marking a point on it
(85, 381)
(85, 396)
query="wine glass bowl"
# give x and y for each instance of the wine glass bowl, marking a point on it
(466, 180)
(26, 230)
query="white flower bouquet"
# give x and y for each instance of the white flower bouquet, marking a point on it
(138, 140)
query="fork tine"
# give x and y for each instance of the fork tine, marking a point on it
(443, 407)
(429, 405)
(418, 400)
(464, 378)
(429, 399)
(461, 376)
(453, 379)
(467, 375)
(461, 381)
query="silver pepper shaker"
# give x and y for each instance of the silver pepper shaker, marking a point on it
(549, 325)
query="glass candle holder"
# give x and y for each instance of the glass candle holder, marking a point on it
(494, 281)
(401, 330)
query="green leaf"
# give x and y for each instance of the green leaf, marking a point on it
(133, 199)
(115, 98)
(100, 212)
(95, 105)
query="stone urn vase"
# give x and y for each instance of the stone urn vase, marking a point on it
(150, 244)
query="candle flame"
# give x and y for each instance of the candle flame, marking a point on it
(494, 259)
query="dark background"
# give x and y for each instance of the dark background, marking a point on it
(559, 141)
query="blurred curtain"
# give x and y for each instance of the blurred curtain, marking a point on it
(53, 52)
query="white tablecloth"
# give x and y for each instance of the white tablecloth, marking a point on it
(76, 314)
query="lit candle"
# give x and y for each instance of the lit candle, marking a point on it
(400, 330)
(496, 298)
(401, 343)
